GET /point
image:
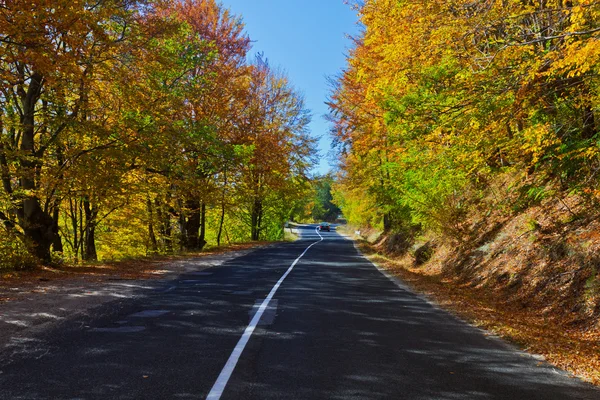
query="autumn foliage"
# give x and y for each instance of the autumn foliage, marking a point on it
(137, 126)
(441, 98)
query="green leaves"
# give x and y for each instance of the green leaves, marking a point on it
(439, 96)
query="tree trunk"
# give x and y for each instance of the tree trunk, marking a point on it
(151, 235)
(182, 226)
(256, 217)
(91, 212)
(221, 222)
(81, 230)
(38, 228)
(57, 245)
(589, 122)
(74, 226)
(202, 239)
(192, 225)
(164, 219)
(222, 218)
(37, 225)
(387, 222)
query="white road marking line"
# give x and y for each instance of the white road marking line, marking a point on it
(217, 390)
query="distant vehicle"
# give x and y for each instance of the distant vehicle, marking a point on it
(324, 226)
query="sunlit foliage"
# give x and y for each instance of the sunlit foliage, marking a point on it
(439, 97)
(132, 127)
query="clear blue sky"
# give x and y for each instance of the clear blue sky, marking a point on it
(307, 39)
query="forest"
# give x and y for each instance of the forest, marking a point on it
(136, 127)
(441, 98)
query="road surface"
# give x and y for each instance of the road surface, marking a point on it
(334, 328)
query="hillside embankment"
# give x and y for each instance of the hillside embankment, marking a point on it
(531, 277)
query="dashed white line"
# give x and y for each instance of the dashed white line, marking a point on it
(217, 390)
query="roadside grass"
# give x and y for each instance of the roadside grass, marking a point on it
(571, 347)
(290, 234)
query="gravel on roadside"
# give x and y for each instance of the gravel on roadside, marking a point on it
(30, 307)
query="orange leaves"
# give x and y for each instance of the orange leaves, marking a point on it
(578, 58)
(106, 103)
(217, 25)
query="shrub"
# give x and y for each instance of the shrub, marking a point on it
(14, 254)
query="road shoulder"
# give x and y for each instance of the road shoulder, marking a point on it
(571, 351)
(33, 303)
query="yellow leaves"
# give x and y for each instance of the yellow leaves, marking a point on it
(579, 58)
(489, 87)
(583, 15)
(537, 140)
(577, 17)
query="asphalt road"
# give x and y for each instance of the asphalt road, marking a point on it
(336, 328)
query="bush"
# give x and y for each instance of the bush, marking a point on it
(14, 254)
(424, 253)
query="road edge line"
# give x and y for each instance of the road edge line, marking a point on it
(221, 383)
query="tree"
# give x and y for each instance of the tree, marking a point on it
(440, 96)
(323, 208)
(137, 126)
(51, 56)
(276, 127)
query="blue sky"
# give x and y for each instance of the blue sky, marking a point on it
(307, 39)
